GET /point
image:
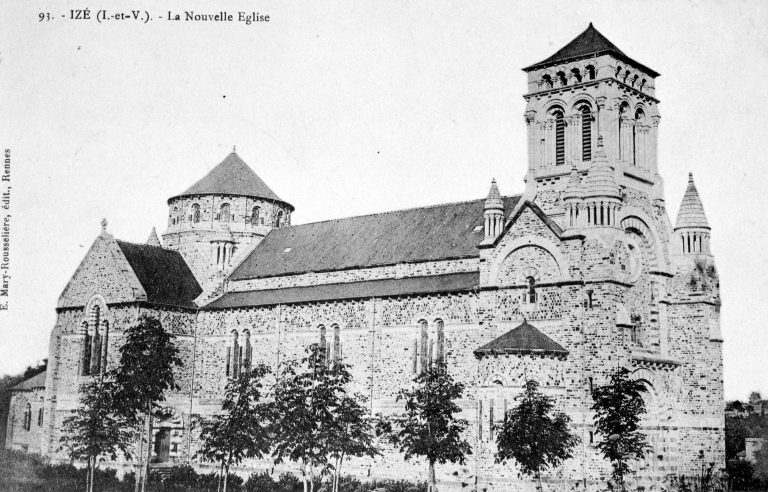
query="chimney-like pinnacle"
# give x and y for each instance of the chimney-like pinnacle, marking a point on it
(153, 239)
(691, 214)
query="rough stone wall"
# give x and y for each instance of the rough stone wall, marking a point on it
(17, 436)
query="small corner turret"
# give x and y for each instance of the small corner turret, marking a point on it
(153, 240)
(692, 230)
(493, 212)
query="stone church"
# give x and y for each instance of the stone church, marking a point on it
(582, 273)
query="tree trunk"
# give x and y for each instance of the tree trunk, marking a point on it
(93, 473)
(226, 472)
(432, 481)
(538, 479)
(140, 456)
(89, 476)
(311, 478)
(221, 474)
(145, 475)
(304, 474)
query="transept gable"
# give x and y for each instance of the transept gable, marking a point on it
(105, 271)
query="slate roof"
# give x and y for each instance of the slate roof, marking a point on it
(454, 282)
(691, 212)
(232, 176)
(589, 43)
(523, 339)
(32, 383)
(163, 274)
(420, 234)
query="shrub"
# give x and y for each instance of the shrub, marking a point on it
(260, 482)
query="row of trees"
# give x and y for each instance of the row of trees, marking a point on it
(304, 414)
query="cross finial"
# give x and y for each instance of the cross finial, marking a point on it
(104, 225)
(234, 149)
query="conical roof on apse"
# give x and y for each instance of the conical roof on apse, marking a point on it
(691, 214)
(232, 176)
(153, 239)
(574, 189)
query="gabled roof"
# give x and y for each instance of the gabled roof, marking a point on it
(523, 339)
(162, 273)
(438, 232)
(691, 212)
(232, 176)
(431, 284)
(32, 383)
(551, 224)
(589, 43)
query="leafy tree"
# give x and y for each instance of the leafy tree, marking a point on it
(755, 398)
(618, 407)
(144, 374)
(736, 431)
(533, 434)
(735, 406)
(428, 428)
(354, 434)
(306, 396)
(97, 429)
(244, 428)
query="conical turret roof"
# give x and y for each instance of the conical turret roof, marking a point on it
(232, 176)
(153, 239)
(691, 212)
(589, 43)
(494, 197)
(574, 188)
(601, 180)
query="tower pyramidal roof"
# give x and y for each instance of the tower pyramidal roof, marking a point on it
(589, 43)
(691, 212)
(494, 197)
(232, 176)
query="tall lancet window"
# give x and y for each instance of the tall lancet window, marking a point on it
(336, 343)
(28, 417)
(233, 357)
(637, 139)
(586, 133)
(195, 213)
(85, 363)
(279, 220)
(440, 343)
(559, 138)
(323, 344)
(245, 364)
(224, 214)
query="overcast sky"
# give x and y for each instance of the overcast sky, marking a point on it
(348, 108)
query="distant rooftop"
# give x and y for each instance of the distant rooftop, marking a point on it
(32, 383)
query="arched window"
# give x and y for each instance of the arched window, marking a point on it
(586, 133)
(440, 356)
(529, 296)
(590, 72)
(95, 344)
(618, 71)
(255, 214)
(639, 118)
(40, 417)
(634, 80)
(233, 357)
(28, 417)
(624, 78)
(559, 137)
(624, 134)
(336, 343)
(642, 84)
(323, 345)
(175, 216)
(279, 220)
(224, 215)
(547, 81)
(195, 213)
(562, 78)
(576, 74)
(246, 351)
(85, 363)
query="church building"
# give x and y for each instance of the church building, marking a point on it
(582, 273)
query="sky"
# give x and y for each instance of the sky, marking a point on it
(354, 107)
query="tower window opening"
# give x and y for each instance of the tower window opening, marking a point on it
(634, 80)
(224, 215)
(279, 220)
(576, 74)
(559, 138)
(255, 213)
(547, 81)
(586, 133)
(590, 72)
(195, 213)
(618, 71)
(589, 298)
(642, 84)
(624, 78)
(562, 78)
(40, 418)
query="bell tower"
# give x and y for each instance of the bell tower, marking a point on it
(587, 90)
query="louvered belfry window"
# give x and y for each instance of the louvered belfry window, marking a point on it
(586, 134)
(559, 139)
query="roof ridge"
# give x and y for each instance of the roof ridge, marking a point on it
(436, 205)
